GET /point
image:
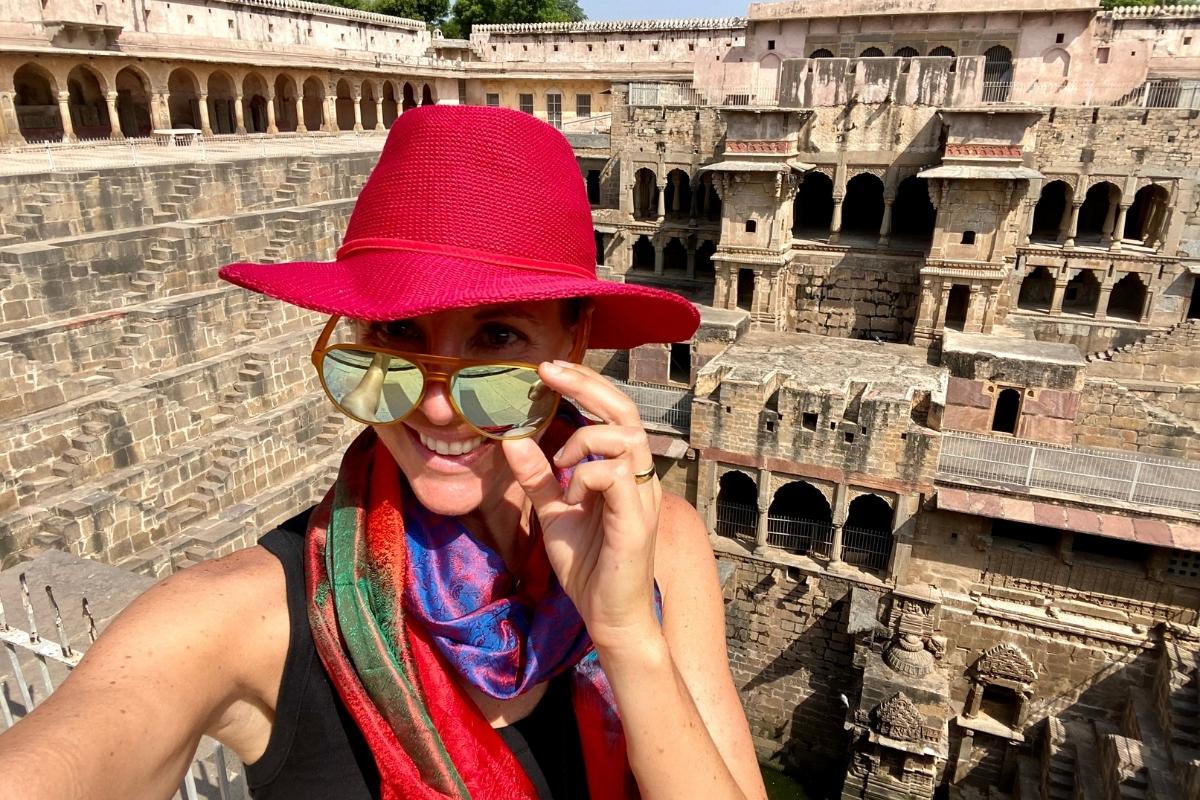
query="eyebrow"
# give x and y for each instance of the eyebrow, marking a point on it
(498, 313)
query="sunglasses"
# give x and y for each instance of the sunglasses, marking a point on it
(378, 386)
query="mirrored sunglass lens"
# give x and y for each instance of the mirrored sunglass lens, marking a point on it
(504, 401)
(374, 387)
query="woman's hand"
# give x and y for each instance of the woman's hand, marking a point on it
(599, 534)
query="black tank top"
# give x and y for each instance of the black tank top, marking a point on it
(316, 750)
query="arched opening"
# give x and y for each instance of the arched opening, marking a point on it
(871, 52)
(409, 100)
(1056, 63)
(821, 52)
(344, 106)
(366, 106)
(1099, 212)
(812, 210)
(913, 215)
(1146, 219)
(133, 104)
(799, 520)
(254, 103)
(183, 100)
(997, 74)
(862, 210)
(645, 194)
(1037, 291)
(1128, 298)
(600, 247)
(1193, 311)
(592, 180)
(737, 507)
(704, 270)
(1007, 411)
(678, 198)
(222, 117)
(958, 304)
(643, 254)
(675, 256)
(1052, 214)
(314, 105)
(1082, 293)
(286, 120)
(709, 202)
(87, 104)
(36, 103)
(907, 52)
(942, 52)
(867, 534)
(745, 289)
(390, 105)
(426, 95)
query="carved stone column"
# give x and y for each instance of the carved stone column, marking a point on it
(357, 111)
(331, 123)
(1072, 225)
(205, 125)
(238, 115)
(114, 121)
(378, 110)
(835, 225)
(271, 127)
(662, 200)
(1119, 229)
(691, 262)
(885, 227)
(300, 126)
(1060, 291)
(658, 255)
(1110, 221)
(64, 110)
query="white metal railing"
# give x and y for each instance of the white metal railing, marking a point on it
(661, 406)
(51, 658)
(1158, 93)
(737, 521)
(597, 123)
(665, 94)
(799, 535)
(997, 91)
(1106, 474)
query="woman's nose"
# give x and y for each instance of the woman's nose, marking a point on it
(435, 405)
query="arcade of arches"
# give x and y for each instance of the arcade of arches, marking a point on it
(83, 102)
(867, 214)
(1103, 218)
(800, 519)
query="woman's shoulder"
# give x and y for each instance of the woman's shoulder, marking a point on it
(682, 547)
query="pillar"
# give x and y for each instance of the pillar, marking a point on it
(841, 500)
(330, 113)
(691, 262)
(1119, 228)
(763, 505)
(1072, 225)
(9, 127)
(1060, 290)
(238, 114)
(113, 119)
(1102, 301)
(658, 255)
(1147, 305)
(835, 225)
(64, 111)
(885, 228)
(357, 111)
(721, 286)
(205, 125)
(271, 128)
(675, 194)
(160, 110)
(1110, 220)
(1156, 228)
(943, 304)
(1027, 236)
(379, 110)
(991, 295)
(300, 126)
(662, 200)
(903, 533)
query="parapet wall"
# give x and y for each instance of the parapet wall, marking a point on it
(930, 81)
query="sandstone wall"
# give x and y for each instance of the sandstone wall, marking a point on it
(1110, 415)
(853, 295)
(1163, 369)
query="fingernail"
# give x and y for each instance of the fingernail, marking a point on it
(558, 455)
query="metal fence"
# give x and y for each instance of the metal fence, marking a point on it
(660, 406)
(800, 536)
(52, 660)
(737, 521)
(866, 548)
(96, 154)
(1105, 474)
(997, 91)
(665, 94)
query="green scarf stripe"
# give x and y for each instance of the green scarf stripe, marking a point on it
(383, 674)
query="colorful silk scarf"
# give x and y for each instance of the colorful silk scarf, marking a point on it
(402, 600)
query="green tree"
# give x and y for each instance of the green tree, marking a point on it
(467, 13)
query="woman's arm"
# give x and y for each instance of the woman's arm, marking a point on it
(173, 666)
(685, 728)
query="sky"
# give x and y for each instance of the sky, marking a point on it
(663, 9)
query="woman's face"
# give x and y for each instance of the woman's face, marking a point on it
(450, 467)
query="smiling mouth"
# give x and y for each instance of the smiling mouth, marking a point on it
(449, 448)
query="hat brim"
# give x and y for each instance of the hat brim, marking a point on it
(387, 285)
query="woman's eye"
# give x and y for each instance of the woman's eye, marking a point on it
(496, 336)
(400, 330)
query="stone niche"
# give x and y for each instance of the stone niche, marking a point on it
(664, 364)
(1022, 387)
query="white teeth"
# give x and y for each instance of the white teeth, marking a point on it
(456, 448)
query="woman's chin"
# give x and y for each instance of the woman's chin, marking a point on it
(450, 497)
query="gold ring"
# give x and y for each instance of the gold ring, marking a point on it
(645, 475)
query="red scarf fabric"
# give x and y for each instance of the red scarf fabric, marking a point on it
(396, 651)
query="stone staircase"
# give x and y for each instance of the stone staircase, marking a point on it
(188, 186)
(1178, 334)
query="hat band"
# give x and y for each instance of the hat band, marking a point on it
(469, 253)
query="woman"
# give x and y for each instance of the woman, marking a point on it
(495, 599)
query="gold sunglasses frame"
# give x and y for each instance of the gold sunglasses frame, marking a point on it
(444, 368)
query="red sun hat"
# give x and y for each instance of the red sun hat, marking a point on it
(468, 206)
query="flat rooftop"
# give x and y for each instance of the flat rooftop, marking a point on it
(1013, 348)
(823, 363)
